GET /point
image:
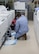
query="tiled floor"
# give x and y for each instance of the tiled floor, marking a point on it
(29, 46)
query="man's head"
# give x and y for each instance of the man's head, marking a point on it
(18, 14)
(23, 14)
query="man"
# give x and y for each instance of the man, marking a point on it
(21, 27)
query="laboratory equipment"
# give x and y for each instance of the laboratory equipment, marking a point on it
(3, 8)
(9, 14)
(20, 7)
(6, 18)
(36, 24)
(3, 28)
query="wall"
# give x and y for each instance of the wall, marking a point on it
(24, 0)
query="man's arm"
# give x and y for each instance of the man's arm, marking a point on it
(17, 26)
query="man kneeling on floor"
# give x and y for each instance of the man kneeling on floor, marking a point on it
(21, 27)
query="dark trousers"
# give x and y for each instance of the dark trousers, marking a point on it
(25, 36)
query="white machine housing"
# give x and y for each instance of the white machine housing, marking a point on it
(36, 24)
(10, 15)
(3, 27)
(3, 8)
(20, 7)
(6, 18)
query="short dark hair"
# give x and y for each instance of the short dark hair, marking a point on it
(23, 13)
(18, 14)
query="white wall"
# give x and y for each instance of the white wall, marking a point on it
(6, 1)
(2, 0)
(24, 0)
